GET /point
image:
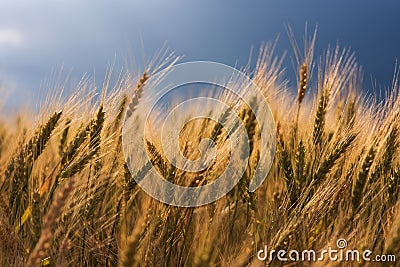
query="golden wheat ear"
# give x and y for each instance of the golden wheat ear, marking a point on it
(303, 73)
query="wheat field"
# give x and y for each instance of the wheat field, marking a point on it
(68, 198)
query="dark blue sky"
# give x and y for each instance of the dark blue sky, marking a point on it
(38, 37)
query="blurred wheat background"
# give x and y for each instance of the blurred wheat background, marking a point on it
(68, 198)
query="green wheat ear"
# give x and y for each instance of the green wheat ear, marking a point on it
(390, 151)
(393, 187)
(64, 137)
(37, 144)
(319, 122)
(121, 111)
(300, 163)
(287, 168)
(339, 149)
(74, 145)
(21, 166)
(358, 189)
(156, 158)
(217, 130)
(36, 219)
(94, 132)
(95, 129)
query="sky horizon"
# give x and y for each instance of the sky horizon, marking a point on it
(39, 38)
